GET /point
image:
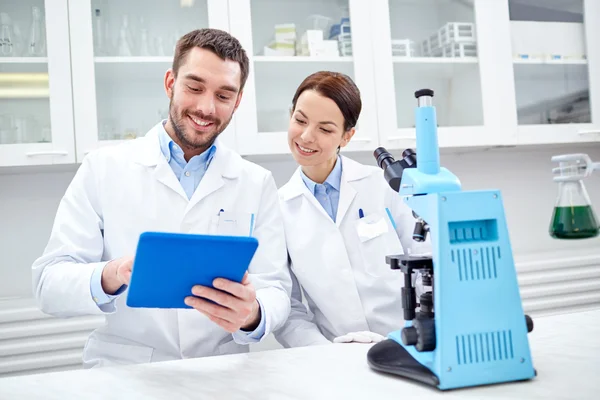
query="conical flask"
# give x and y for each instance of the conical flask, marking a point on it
(573, 216)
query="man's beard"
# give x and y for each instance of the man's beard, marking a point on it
(187, 141)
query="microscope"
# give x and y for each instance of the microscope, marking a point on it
(470, 328)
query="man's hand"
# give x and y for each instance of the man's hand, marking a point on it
(116, 274)
(236, 305)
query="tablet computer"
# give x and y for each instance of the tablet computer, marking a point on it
(168, 265)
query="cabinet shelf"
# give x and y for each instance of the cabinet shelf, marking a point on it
(301, 59)
(23, 60)
(435, 60)
(532, 61)
(152, 59)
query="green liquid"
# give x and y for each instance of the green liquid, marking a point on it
(574, 223)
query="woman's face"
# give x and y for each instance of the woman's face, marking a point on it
(316, 129)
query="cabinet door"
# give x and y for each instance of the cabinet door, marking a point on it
(459, 49)
(121, 52)
(337, 34)
(36, 117)
(556, 57)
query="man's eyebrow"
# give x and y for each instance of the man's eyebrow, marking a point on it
(199, 79)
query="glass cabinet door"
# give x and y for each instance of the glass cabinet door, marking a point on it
(34, 68)
(429, 44)
(287, 41)
(551, 42)
(125, 49)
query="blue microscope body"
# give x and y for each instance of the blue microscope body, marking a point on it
(471, 329)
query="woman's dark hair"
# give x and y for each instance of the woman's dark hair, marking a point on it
(219, 42)
(338, 87)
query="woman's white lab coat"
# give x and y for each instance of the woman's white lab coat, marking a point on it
(122, 191)
(346, 281)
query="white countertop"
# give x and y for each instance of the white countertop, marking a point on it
(566, 355)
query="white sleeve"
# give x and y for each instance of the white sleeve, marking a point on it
(268, 270)
(300, 329)
(62, 275)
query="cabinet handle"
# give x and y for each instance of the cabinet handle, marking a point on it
(590, 132)
(361, 140)
(47, 153)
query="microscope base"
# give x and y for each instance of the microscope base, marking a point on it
(390, 357)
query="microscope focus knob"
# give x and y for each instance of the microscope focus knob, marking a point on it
(410, 336)
(529, 323)
(421, 335)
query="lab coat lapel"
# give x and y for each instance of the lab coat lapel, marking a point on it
(225, 164)
(297, 188)
(148, 154)
(351, 171)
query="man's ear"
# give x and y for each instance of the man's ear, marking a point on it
(169, 82)
(238, 100)
(346, 136)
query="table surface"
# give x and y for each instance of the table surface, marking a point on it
(565, 348)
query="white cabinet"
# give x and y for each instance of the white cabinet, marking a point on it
(337, 37)
(556, 58)
(36, 107)
(457, 48)
(121, 51)
(504, 72)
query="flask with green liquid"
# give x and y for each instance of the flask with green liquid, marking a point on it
(573, 216)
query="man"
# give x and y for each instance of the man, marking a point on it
(175, 179)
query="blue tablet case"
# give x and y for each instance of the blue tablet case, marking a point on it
(168, 265)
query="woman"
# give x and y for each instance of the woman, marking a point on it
(327, 206)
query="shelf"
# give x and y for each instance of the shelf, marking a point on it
(435, 60)
(301, 59)
(551, 71)
(531, 61)
(157, 59)
(23, 60)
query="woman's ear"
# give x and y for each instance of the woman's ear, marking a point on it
(346, 136)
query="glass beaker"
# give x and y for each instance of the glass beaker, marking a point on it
(573, 216)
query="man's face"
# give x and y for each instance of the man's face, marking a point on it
(203, 97)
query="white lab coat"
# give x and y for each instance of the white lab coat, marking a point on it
(347, 283)
(122, 191)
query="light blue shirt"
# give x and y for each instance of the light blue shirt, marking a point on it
(189, 173)
(328, 192)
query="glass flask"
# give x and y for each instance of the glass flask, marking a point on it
(573, 216)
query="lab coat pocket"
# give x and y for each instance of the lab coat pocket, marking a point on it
(377, 239)
(99, 353)
(233, 224)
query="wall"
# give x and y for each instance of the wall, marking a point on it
(29, 198)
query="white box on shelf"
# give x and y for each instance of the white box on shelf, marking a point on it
(280, 49)
(456, 32)
(425, 48)
(285, 33)
(460, 50)
(548, 40)
(311, 43)
(404, 48)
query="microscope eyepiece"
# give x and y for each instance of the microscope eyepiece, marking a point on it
(424, 92)
(393, 169)
(383, 157)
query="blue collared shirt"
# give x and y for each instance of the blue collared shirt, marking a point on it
(328, 192)
(189, 173)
